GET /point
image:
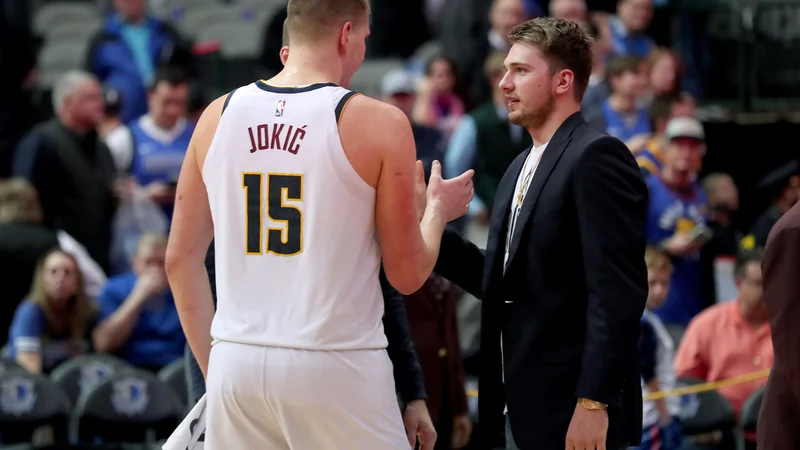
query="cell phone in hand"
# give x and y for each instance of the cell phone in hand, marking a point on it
(701, 233)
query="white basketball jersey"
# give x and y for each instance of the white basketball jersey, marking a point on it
(297, 256)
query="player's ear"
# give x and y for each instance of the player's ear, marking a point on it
(344, 35)
(284, 54)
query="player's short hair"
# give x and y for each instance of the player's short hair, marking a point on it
(315, 19)
(285, 34)
(564, 44)
(656, 260)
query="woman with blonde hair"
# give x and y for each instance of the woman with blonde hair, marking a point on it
(55, 320)
(23, 241)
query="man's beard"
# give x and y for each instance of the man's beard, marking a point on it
(536, 117)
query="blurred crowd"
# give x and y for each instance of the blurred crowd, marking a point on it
(88, 183)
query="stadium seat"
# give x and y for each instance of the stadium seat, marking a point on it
(749, 416)
(676, 333)
(28, 402)
(79, 374)
(427, 51)
(367, 80)
(174, 376)
(199, 17)
(73, 31)
(7, 364)
(131, 406)
(47, 15)
(238, 39)
(58, 57)
(705, 412)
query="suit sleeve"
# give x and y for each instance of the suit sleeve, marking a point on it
(461, 262)
(611, 201)
(782, 295)
(407, 370)
(647, 352)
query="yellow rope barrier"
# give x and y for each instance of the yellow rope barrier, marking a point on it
(694, 389)
(710, 386)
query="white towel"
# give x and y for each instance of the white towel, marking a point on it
(191, 433)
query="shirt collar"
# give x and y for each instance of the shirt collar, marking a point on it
(738, 319)
(165, 136)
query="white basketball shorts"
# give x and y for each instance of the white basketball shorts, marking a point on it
(272, 398)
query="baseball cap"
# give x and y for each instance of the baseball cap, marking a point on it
(685, 127)
(398, 81)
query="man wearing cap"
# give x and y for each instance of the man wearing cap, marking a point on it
(676, 221)
(398, 88)
(782, 186)
(662, 109)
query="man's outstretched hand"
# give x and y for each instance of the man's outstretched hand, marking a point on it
(450, 197)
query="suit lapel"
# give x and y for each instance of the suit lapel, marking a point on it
(498, 227)
(548, 162)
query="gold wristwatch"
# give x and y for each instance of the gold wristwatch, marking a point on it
(591, 404)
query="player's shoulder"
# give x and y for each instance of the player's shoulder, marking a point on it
(365, 106)
(373, 120)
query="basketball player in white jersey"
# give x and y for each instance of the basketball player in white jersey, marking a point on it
(297, 180)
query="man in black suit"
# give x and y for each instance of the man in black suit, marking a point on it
(563, 281)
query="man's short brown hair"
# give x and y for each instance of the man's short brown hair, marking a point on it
(315, 19)
(564, 44)
(620, 65)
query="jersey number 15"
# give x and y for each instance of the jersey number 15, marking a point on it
(283, 241)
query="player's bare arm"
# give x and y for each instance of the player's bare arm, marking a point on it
(379, 143)
(191, 234)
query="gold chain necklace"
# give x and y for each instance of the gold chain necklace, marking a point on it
(523, 187)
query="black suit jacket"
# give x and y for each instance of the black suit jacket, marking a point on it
(577, 284)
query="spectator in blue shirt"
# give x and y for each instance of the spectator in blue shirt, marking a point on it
(676, 221)
(628, 28)
(138, 318)
(130, 48)
(161, 137)
(53, 323)
(621, 115)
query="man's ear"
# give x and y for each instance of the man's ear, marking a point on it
(284, 54)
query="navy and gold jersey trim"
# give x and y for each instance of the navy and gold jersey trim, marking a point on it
(343, 104)
(227, 101)
(292, 89)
